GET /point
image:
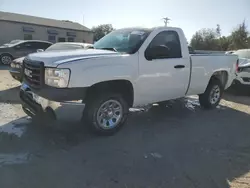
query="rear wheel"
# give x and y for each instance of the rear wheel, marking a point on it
(105, 114)
(212, 96)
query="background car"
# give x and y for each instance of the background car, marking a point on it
(243, 74)
(20, 48)
(229, 52)
(69, 46)
(16, 64)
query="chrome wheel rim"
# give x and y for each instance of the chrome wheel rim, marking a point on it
(6, 60)
(215, 94)
(109, 114)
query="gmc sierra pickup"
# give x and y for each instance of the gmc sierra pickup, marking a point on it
(128, 67)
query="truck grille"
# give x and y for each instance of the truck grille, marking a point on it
(33, 73)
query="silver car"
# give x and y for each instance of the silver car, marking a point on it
(20, 48)
(243, 74)
(16, 65)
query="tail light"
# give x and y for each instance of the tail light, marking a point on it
(237, 65)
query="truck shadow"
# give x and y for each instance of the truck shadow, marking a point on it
(4, 67)
(181, 145)
(239, 90)
(10, 95)
(240, 99)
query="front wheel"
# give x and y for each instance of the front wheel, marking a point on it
(212, 96)
(106, 113)
(6, 59)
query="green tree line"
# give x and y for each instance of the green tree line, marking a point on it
(101, 30)
(211, 39)
(204, 39)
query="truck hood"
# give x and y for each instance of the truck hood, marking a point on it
(54, 58)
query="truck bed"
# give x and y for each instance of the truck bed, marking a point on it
(203, 66)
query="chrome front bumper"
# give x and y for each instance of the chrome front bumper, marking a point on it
(34, 104)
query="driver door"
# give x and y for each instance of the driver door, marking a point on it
(166, 75)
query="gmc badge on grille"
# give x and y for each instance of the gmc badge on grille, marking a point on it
(28, 73)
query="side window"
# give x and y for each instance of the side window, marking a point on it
(42, 45)
(23, 46)
(20, 46)
(26, 45)
(31, 45)
(35, 45)
(46, 45)
(165, 44)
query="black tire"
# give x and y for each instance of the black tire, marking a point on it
(92, 106)
(205, 98)
(7, 56)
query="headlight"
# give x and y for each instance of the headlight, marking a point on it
(15, 65)
(57, 77)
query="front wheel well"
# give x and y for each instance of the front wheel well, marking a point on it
(6, 54)
(222, 76)
(123, 87)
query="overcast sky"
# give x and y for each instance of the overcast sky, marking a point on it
(190, 15)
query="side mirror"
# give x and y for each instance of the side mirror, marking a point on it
(40, 50)
(157, 52)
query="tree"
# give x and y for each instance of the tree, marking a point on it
(239, 37)
(211, 39)
(197, 41)
(218, 30)
(224, 43)
(205, 39)
(101, 30)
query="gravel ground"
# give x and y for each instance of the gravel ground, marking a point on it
(181, 145)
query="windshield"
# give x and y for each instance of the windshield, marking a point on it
(61, 46)
(243, 53)
(123, 40)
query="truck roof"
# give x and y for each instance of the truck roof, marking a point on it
(164, 27)
(151, 29)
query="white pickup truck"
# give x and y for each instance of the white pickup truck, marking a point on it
(128, 67)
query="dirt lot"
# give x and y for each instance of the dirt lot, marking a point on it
(179, 146)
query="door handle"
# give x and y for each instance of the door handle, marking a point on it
(179, 66)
